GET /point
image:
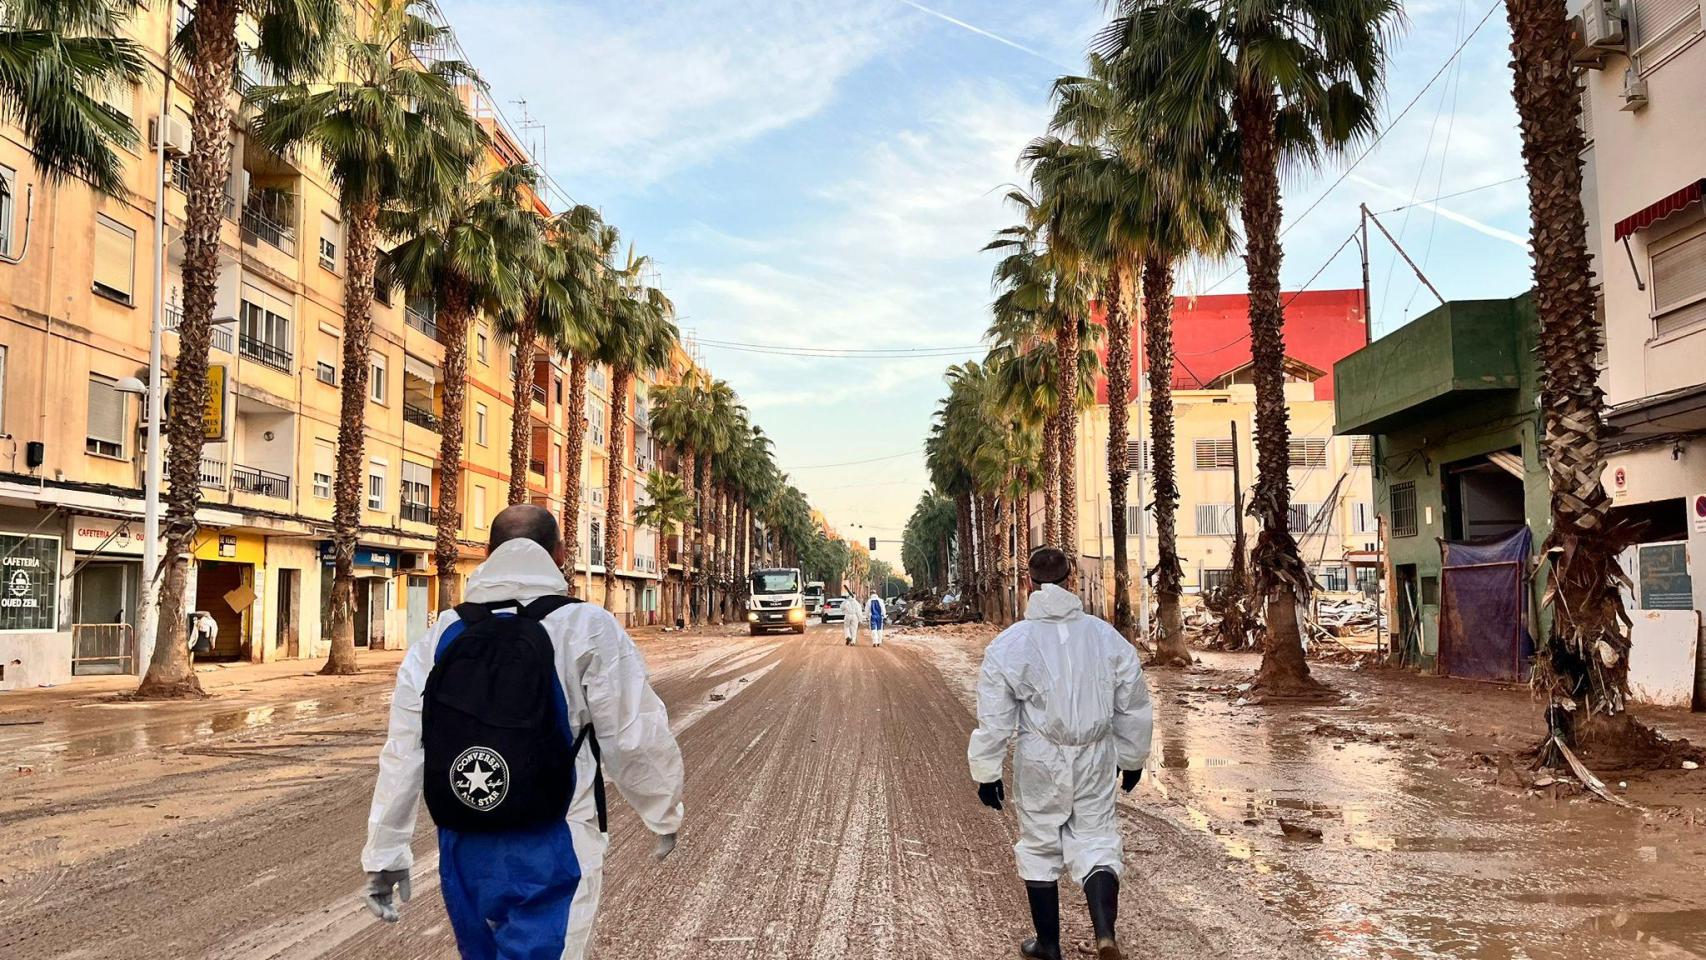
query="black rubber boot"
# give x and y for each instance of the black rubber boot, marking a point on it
(1045, 916)
(1102, 891)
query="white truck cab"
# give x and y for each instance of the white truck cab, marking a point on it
(814, 598)
(776, 600)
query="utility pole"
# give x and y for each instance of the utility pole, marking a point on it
(149, 619)
(1238, 542)
(1367, 308)
(1142, 515)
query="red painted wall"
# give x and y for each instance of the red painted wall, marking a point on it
(1211, 335)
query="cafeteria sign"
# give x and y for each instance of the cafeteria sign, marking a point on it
(29, 583)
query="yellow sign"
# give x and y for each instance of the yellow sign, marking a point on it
(214, 420)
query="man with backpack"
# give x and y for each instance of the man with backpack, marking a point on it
(501, 716)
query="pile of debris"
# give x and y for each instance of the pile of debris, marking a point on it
(1347, 616)
(931, 608)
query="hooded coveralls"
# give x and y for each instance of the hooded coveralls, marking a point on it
(1071, 688)
(533, 894)
(877, 612)
(850, 610)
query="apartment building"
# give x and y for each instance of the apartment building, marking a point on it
(1214, 422)
(1643, 67)
(76, 302)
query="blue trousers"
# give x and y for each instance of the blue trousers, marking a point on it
(508, 894)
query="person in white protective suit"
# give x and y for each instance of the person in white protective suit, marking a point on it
(879, 613)
(851, 611)
(1071, 690)
(533, 894)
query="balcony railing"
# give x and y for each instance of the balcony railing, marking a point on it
(211, 473)
(273, 356)
(418, 513)
(539, 394)
(255, 480)
(420, 320)
(536, 465)
(219, 338)
(420, 417)
(265, 219)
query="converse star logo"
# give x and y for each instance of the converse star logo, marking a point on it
(480, 778)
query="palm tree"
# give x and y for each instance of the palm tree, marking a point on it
(1584, 665)
(56, 56)
(595, 243)
(676, 417)
(396, 128)
(470, 252)
(665, 508)
(640, 337)
(1297, 79)
(293, 37)
(715, 428)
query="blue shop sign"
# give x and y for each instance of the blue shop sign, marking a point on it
(364, 556)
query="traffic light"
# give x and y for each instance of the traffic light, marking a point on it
(873, 543)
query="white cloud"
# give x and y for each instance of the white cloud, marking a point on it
(644, 88)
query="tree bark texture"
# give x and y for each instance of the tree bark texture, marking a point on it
(521, 415)
(689, 569)
(1051, 483)
(454, 313)
(1066, 346)
(574, 449)
(621, 379)
(209, 75)
(1116, 298)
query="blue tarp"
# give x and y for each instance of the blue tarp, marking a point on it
(1483, 608)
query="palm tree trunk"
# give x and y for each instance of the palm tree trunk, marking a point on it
(169, 673)
(1011, 546)
(708, 534)
(967, 548)
(621, 378)
(1066, 346)
(1281, 579)
(689, 570)
(725, 529)
(361, 254)
(1584, 664)
(1051, 482)
(573, 449)
(1116, 299)
(521, 416)
(1170, 647)
(454, 313)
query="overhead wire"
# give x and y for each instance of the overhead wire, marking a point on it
(1294, 295)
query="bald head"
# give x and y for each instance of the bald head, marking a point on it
(524, 521)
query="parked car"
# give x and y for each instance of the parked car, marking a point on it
(834, 609)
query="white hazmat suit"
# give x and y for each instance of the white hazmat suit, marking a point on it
(603, 677)
(1070, 687)
(851, 610)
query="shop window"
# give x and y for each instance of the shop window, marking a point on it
(115, 259)
(1404, 509)
(106, 419)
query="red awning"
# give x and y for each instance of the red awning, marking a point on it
(1653, 213)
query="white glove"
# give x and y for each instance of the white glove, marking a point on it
(380, 899)
(665, 846)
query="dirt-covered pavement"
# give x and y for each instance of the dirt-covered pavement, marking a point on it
(830, 816)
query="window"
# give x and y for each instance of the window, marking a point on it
(595, 424)
(1307, 453)
(330, 232)
(482, 345)
(263, 328)
(1215, 454)
(326, 373)
(1215, 578)
(106, 418)
(1362, 517)
(1679, 285)
(8, 187)
(381, 289)
(376, 379)
(376, 485)
(1214, 519)
(1137, 456)
(480, 424)
(417, 492)
(120, 98)
(2, 389)
(1134, 516)
(559, 388)
(325, 455)
(478, 495)
(115, 259)
(1404, 509)
(1333, 579)
(1662, 27)
(1306, 517)
(1362, 451)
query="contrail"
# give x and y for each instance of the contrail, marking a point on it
(983, 33)
(1470, 222)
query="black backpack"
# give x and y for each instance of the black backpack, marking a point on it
(494, 723)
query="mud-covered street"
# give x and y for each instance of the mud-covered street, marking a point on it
(830, 815)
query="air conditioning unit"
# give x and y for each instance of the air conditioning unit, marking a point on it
(1634, 91)
(174, 132)
(413, 561)
(1599, 29)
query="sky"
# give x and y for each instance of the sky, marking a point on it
(824, 174)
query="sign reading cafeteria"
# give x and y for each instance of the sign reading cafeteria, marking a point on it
(29, 583)
(102, 535)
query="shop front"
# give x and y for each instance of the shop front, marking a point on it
(225, 589)
(106, 594)
(375, 593)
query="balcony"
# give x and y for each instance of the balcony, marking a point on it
(421, 417)
(536, 465)
(219, 338)
(273, 356)
(252, 480)
(421, 318)
(539, 394)
(211, 473)
(267, 217)
(418, 513)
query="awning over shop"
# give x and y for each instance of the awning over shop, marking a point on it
(1654, 212)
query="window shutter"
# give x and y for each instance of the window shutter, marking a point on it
(115, 257)
(106, 412)
(1214, 454)
(1679, 284)
(1307, 453)
(1652, 21)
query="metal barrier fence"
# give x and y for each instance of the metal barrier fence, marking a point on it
(103, 648)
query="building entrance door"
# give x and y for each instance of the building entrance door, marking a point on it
(213, 582)
(417, 617)
(289, 602)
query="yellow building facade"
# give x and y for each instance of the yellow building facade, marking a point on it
(76, 310)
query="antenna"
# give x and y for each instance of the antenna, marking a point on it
(528, 125)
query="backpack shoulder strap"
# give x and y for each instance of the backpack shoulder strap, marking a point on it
(599, 800)
(543, 607)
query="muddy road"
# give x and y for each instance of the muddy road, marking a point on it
(829, 815)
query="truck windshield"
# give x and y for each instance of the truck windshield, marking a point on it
(776, 581)
(815, 590)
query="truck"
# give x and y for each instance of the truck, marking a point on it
(776, 600)
(814, 598)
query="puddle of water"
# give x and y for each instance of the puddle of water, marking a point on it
(1683, 930)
